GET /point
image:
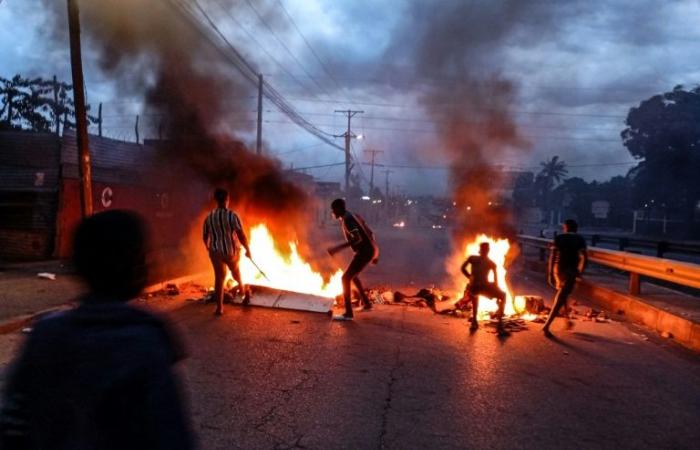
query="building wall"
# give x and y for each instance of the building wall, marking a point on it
(29, 174)
(123, 177)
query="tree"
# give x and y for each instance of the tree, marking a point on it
(552, 172)
(663, 132)
(36, 104)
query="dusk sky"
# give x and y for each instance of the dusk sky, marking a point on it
(576, 67)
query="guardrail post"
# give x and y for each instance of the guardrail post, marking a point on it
(635, 284)
(661, 248)
(624, 242)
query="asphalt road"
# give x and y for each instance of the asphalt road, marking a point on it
(404, 378)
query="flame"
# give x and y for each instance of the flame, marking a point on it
(287, 272)
(498, 254)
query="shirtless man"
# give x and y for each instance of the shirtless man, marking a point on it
(477, 269)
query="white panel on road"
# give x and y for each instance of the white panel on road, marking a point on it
(273, 298)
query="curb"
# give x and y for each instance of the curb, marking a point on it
(636, 310)
(682, 330)
(15, 323)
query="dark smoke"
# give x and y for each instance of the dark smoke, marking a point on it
(152, 53)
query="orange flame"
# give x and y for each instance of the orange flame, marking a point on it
(287, 272)
(499, 251)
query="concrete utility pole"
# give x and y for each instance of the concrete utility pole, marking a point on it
(258, 146)
(371, 173)
(348, 135)
(80, 110)
(386, 185)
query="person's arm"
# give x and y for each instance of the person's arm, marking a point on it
(336, 248)
(242, 238)
(205, 233)
(553, 253)
(14, 418)
(582, 260)
(464, 270)
(493, 269)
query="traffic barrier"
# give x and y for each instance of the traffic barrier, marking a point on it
(681, 273)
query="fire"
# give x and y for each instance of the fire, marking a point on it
(288, 272)
(498, 254)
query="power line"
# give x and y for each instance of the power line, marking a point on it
(435, 131)
(447, 105)
(262, 47)
(247, 70)
(308, 45)
(316, 167)
(281, 42)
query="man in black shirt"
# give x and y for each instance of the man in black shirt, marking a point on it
(361, 239)
(567, 261)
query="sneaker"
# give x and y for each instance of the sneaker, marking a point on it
(246, 300)
(342, 317)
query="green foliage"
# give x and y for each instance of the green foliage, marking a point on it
(664, 133)
(36, 104)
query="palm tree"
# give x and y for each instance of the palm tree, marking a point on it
(552, 173)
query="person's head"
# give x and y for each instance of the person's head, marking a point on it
(221, 197)
(109, 252)
(484, 249)
(338, 207)
(570, 226)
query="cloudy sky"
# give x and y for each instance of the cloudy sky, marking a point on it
(575, 67)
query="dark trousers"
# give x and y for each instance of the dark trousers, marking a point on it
(220, 263)
(490, 290)
(357, 265)
(565, 286)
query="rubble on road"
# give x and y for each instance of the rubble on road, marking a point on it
(47, 276)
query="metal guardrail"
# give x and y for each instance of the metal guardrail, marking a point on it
(660, 246)
(681, 273)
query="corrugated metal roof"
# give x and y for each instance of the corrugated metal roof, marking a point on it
(25, 148)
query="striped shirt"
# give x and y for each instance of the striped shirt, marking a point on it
(220, 229)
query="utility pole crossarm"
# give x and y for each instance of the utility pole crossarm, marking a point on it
(348, 135)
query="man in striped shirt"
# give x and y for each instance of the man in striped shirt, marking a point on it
(223, 237)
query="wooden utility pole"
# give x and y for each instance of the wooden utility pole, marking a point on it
(348, 135)
(80, 110)
(258, 147)
(99, 120)
(371, 173)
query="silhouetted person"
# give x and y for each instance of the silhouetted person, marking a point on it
(360, 238)
(99, 376)
(477, 269)
(223, 237)
(567, 261)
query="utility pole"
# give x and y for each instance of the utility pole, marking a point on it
(371, 173)
(99, 120)
(136, 129)
(386, 185)
(258, 147)
(80, 110)
(348, 135)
